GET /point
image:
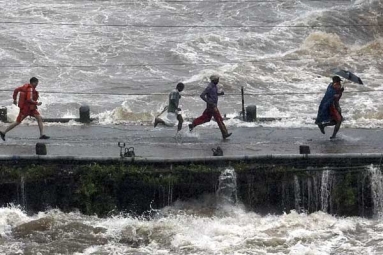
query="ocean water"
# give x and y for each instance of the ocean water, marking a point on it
(123, 57)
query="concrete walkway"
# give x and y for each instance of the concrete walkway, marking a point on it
(97, 140)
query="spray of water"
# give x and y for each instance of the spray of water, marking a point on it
(227, 187)
(23, 193)
(376, 178)
(325, 190)
(297, 193)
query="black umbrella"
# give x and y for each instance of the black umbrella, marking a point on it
(348, 75)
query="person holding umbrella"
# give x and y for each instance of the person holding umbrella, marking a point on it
(329, 112)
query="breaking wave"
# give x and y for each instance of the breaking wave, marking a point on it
(272, 50)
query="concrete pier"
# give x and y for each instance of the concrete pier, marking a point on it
(83, 168)
(162, 142)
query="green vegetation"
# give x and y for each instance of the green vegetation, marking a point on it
(31, 172)
(346, 193)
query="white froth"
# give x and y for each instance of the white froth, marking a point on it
(271, 57)
(228, 232)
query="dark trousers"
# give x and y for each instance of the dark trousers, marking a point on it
(206, 117)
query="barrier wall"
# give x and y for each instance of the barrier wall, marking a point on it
(339, 184)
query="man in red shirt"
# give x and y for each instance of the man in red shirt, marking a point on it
(28, 106)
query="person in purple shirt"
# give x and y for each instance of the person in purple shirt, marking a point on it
(210, 96)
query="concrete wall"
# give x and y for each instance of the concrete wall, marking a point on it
(269, 184)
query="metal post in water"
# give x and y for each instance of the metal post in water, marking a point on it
(243, 104)
(251, 113)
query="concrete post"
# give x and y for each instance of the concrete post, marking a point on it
(3, 114)
(41, 149)
(217, 152)
(84, 114)
(304, 149)
(251, 113)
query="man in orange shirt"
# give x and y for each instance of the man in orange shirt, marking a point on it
(28, 106)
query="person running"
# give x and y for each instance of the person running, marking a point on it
(329, 112)
(210, 96)
(28, 106)
(173, 115)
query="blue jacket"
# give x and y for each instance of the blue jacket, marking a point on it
(211, 93)
(324, 107)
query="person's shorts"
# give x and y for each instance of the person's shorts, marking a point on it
(169, 118)
(25, 112)
(335, 115)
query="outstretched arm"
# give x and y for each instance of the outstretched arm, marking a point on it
(15, 93)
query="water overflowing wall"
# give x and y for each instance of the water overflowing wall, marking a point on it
(111, 188)
(376, 182)
(325, 190)
(227, 186)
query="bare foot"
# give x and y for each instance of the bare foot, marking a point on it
(2, 135)
(321, 127)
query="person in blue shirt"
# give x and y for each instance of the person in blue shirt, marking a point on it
(329, 112)
(210, 96)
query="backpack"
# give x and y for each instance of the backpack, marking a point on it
(23, 91)
(22, 95)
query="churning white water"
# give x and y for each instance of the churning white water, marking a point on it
(114, 55)
(231, 230)
(210, 225)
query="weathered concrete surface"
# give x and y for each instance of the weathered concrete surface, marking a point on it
(268, 184)
(97, 140)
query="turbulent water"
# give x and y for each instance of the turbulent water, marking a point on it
(122, 48)
(213, 224)
(114, 54)
(188, 230)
